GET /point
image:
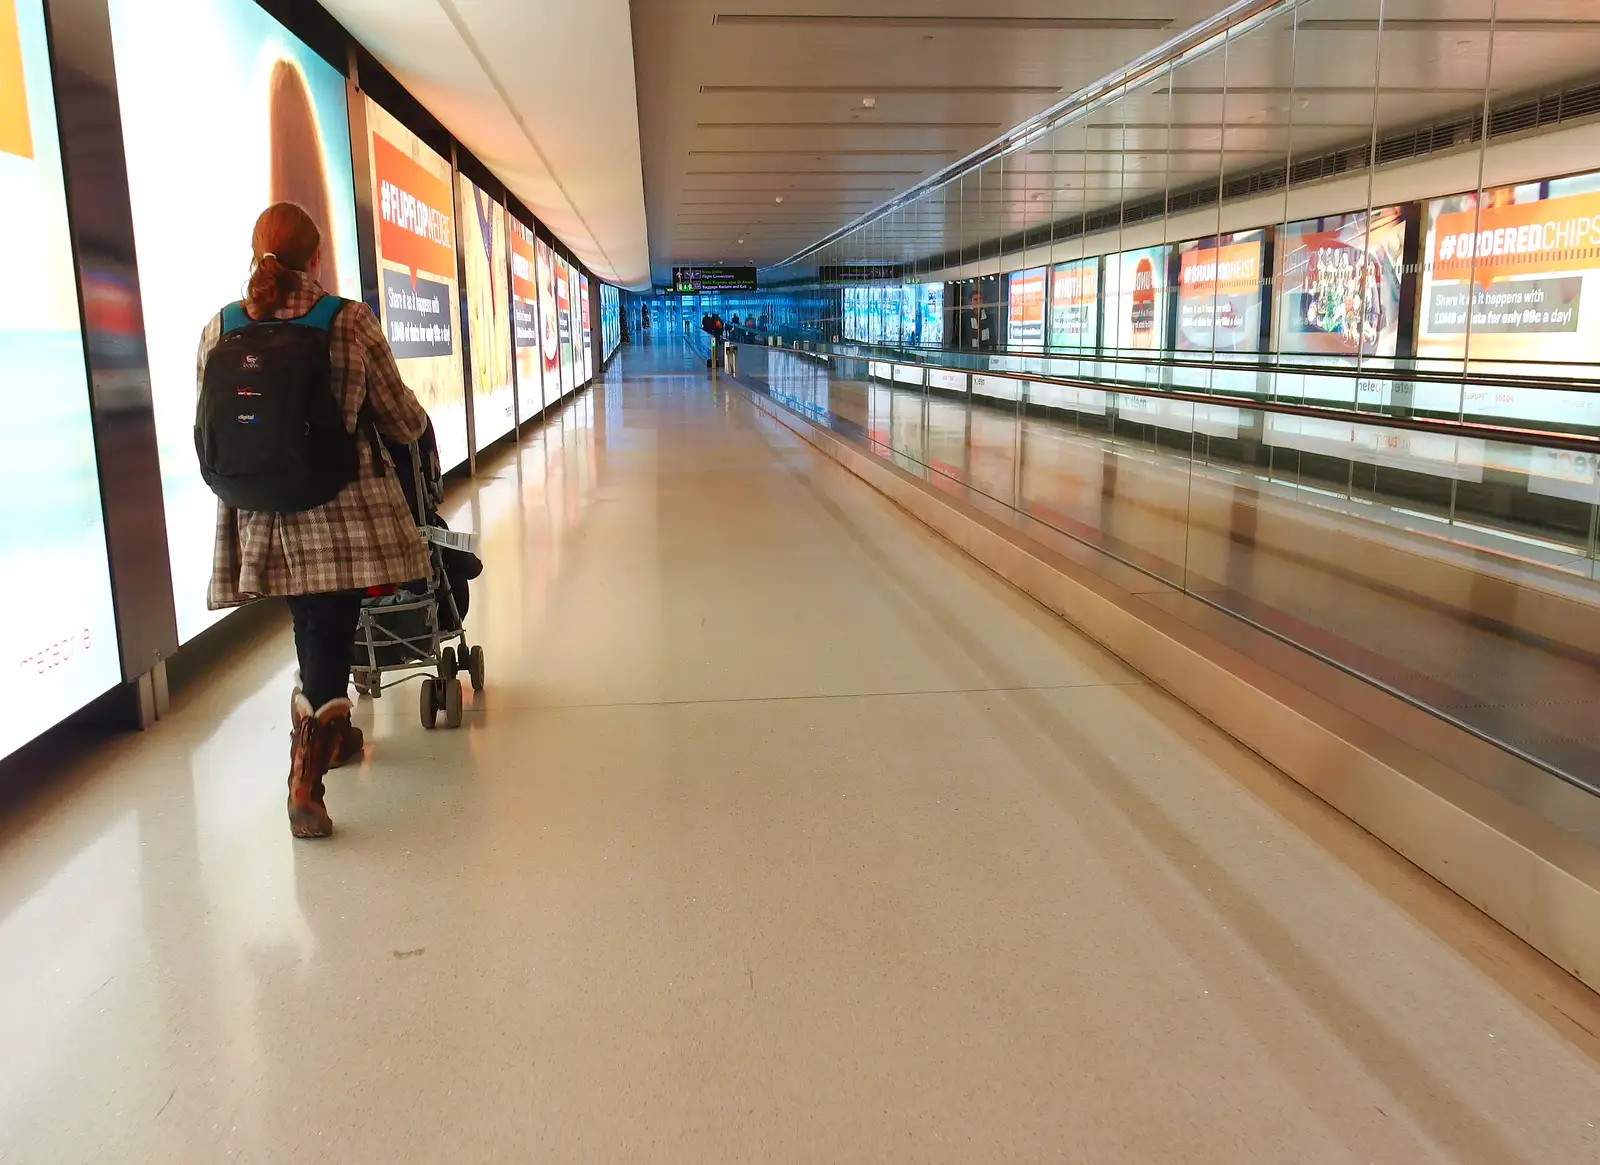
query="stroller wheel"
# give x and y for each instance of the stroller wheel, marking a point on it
(452, 703)
(449, 666)
(429, 704)
(475, 668)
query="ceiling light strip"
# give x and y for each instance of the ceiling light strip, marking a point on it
(830, 125)
(956, 23)
(1241, 16)
(928, 90)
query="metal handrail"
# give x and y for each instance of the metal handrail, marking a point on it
(1419, 375)
(1477, 430)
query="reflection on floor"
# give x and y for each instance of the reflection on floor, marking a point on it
(783, 832)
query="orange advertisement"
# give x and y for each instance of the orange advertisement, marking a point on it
(1231, 270)
(1529, 238)
(415, 230)
(1514, 276)
(413, 212)
(524, 281)
(16, 135)
(1025, 309)
(1219, 293)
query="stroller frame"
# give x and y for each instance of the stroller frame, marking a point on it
(386, 646)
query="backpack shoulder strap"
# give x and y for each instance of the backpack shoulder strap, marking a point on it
(321, 314)
(234, 318)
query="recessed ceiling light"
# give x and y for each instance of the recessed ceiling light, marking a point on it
(779, 198)
(869, 103)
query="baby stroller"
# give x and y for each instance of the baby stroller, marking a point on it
(411, 630)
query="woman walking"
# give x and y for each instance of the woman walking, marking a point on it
(321, 558)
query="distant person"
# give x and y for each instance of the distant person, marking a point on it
(357, 532)
(979, 325)
(716, 330)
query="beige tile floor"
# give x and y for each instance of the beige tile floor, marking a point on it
(783, 833)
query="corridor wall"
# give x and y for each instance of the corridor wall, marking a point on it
(139, 140)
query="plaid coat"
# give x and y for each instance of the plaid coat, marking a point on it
(366, 536)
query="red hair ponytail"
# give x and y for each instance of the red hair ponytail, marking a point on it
(283, 244)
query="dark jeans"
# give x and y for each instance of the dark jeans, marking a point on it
(324, 630)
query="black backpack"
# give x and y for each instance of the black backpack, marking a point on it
(269, 432)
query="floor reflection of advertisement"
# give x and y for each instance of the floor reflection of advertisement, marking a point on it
(1219, 293)
(525, 321)
(1181, 416)
(211, 138)
(1563, 473)
(1137, 299)
(1075, 304)
(487, 298)
(412, 204)
(996, 387)
(1435, 454)
(1025, 310)
(62, 652)
(1514, 277)
(1068, 396)
(1340, 284)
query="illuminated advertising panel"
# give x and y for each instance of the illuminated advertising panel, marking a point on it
(412, 209)
(1339, 284)
(1219, 293)
(211, 139)
(549, 326)
(1025, 310)
(1517, 274)
(930, 314)
(1075, 304)
(63, 652)
(487, 295)
(1137, 299)
(564, 322)
(525, 321)
(588, 330)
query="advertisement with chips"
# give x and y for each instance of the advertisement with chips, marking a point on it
(1340, 281)
(415, 229)
(1514, 278)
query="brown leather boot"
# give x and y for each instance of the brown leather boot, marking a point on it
(316, 739)
(352, 743)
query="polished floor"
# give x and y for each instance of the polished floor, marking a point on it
(783, 832)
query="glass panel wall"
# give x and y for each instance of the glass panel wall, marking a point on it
(1296, 321)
